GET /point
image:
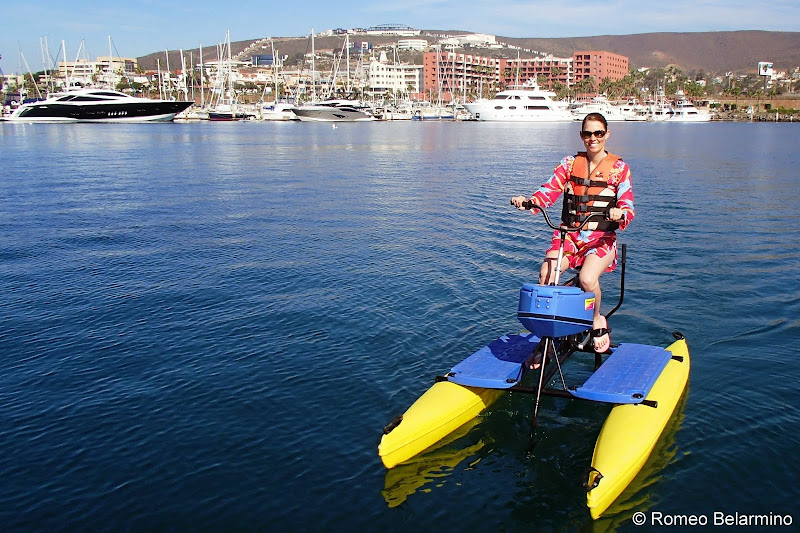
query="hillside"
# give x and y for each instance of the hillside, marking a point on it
(720, 52)
(738, 51)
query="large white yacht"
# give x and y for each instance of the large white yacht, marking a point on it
(97, 105)
(685, 111)
(525, 103)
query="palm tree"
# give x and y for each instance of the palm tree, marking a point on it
(585, 85)
(555, 72)
(561, 90)
(542, 80)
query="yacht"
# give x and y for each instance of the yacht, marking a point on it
(522, 103)
(401, 112)
(229, 112)
(660, 111)
(685, 111)
(428, 111)
(334, 111)
(640, 114)
(192, 114)
(600, 104)
(97, 105)
(277, 111)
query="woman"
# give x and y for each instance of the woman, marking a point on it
(594, 181)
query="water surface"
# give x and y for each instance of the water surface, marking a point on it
(206, 326)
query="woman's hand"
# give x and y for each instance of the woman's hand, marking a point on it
(518, 201)
(615, 213)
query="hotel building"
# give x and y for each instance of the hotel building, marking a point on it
(449, 73)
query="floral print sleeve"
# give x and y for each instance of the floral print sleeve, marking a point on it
(549, 192)
(620, 180)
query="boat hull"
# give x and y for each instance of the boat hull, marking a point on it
(445, 407)
(222, 116)
(699, 117)
(631, 431)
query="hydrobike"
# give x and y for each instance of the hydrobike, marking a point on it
(643, 382)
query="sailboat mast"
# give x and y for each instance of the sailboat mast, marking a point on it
(160, 84)
(110, 63)
(313, 69)
(167, 77)
(191, 66)
(202, 74)
(184, 88)
(66, 67)
(44, 62)
(230, 69)
(274, 69)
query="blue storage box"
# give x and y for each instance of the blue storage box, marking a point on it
(555, 310)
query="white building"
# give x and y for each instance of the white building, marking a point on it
(105, 70)
(472, 39)
(384, 77)
(393, 29)
(412, 44)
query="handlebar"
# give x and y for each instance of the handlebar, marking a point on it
(527, 204)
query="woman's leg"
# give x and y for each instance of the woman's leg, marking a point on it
(589, 277)
(547, 274)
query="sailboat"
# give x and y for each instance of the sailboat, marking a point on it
(275, 110)
(225, 107)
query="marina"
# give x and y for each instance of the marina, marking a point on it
(207, 325)
(526, 104)
(350, 84)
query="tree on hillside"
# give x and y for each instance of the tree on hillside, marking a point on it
(692, 89)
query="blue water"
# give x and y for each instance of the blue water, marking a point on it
(205, 327)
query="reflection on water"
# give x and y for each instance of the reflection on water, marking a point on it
(433, 465)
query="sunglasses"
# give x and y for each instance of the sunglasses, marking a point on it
(599, 134)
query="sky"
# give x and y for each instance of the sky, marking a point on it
(140, 27)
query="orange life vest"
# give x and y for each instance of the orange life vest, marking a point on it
(585, 195)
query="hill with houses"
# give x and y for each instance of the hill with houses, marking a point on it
(717, 52)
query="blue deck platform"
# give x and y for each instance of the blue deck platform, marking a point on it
(626, 376)
(496, 366)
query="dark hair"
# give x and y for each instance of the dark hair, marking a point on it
(594, 116)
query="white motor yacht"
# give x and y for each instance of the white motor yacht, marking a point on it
(685, 111)
(277, 111)
(524, 103)
(600, 104)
